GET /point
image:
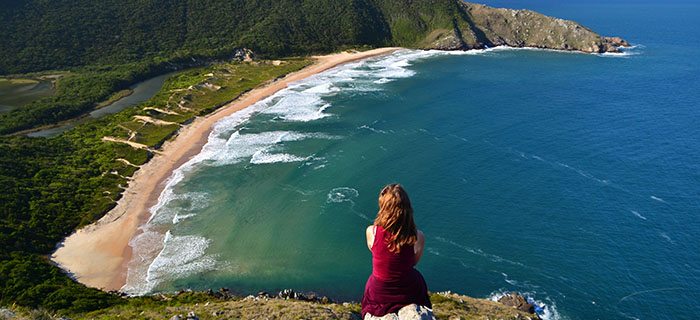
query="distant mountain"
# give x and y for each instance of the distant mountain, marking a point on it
(44, 34)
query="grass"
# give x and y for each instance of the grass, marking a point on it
(196, 92)
(207, 306)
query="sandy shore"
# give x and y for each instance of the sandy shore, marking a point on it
(98, 254)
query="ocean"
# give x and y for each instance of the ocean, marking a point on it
(571, 178)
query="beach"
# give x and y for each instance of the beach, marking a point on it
(97, 255)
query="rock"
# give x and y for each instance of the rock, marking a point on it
(616, 41)
(391, 316)
(286, 294)
(6, 313)
(244, 54)
(217, 313)
(291, 294)
(415, 312)
(517, 301)
(612, 44)
(490, 27)
(224, 294)
(118, 293)
(409, 312)
(183, 291)
(263, 294)
(449, 41)
(177, 317)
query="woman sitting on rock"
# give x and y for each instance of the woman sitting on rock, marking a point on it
(396, 247)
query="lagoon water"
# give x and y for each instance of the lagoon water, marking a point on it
(141, 92)
(16, 95)
(572, 178)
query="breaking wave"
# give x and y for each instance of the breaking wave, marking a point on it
(546, 310)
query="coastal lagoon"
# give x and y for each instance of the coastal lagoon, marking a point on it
(140, 92)
(572, 178)
(15, 93)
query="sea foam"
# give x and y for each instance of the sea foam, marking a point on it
(546, 310)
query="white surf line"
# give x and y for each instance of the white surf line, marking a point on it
(649, 291)
(479, 252)
(638, 215)
(653, 197)
(666, 237)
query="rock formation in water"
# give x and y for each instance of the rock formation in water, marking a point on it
(489, 27)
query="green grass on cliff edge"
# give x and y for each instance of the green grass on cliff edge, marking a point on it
(205, 306)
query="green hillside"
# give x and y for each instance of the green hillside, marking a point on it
(42, 35)
(55, 34)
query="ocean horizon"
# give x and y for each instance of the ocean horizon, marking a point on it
(571, 178)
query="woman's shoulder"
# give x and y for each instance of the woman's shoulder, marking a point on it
(370, 233)
(420, 237)
(369, 230)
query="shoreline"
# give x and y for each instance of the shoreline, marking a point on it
(97, 255)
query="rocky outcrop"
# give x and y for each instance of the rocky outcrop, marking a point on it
(517, 301)
(490, 27)
(409, 312)
(447, 40)
(6, 313)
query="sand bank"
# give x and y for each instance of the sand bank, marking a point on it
(97, 255)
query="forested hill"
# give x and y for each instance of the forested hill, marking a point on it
(44, 34)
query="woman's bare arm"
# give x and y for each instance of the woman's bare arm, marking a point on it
(369, 234)
(419, 246)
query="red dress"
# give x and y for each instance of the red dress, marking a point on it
(394, 282)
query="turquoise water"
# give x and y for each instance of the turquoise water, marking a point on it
(572, 178)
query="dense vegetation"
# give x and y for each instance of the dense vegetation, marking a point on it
(48, 187)
(44, 35)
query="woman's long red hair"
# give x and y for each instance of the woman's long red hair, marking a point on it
(396, 217)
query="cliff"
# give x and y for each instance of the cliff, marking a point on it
(489, 27)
